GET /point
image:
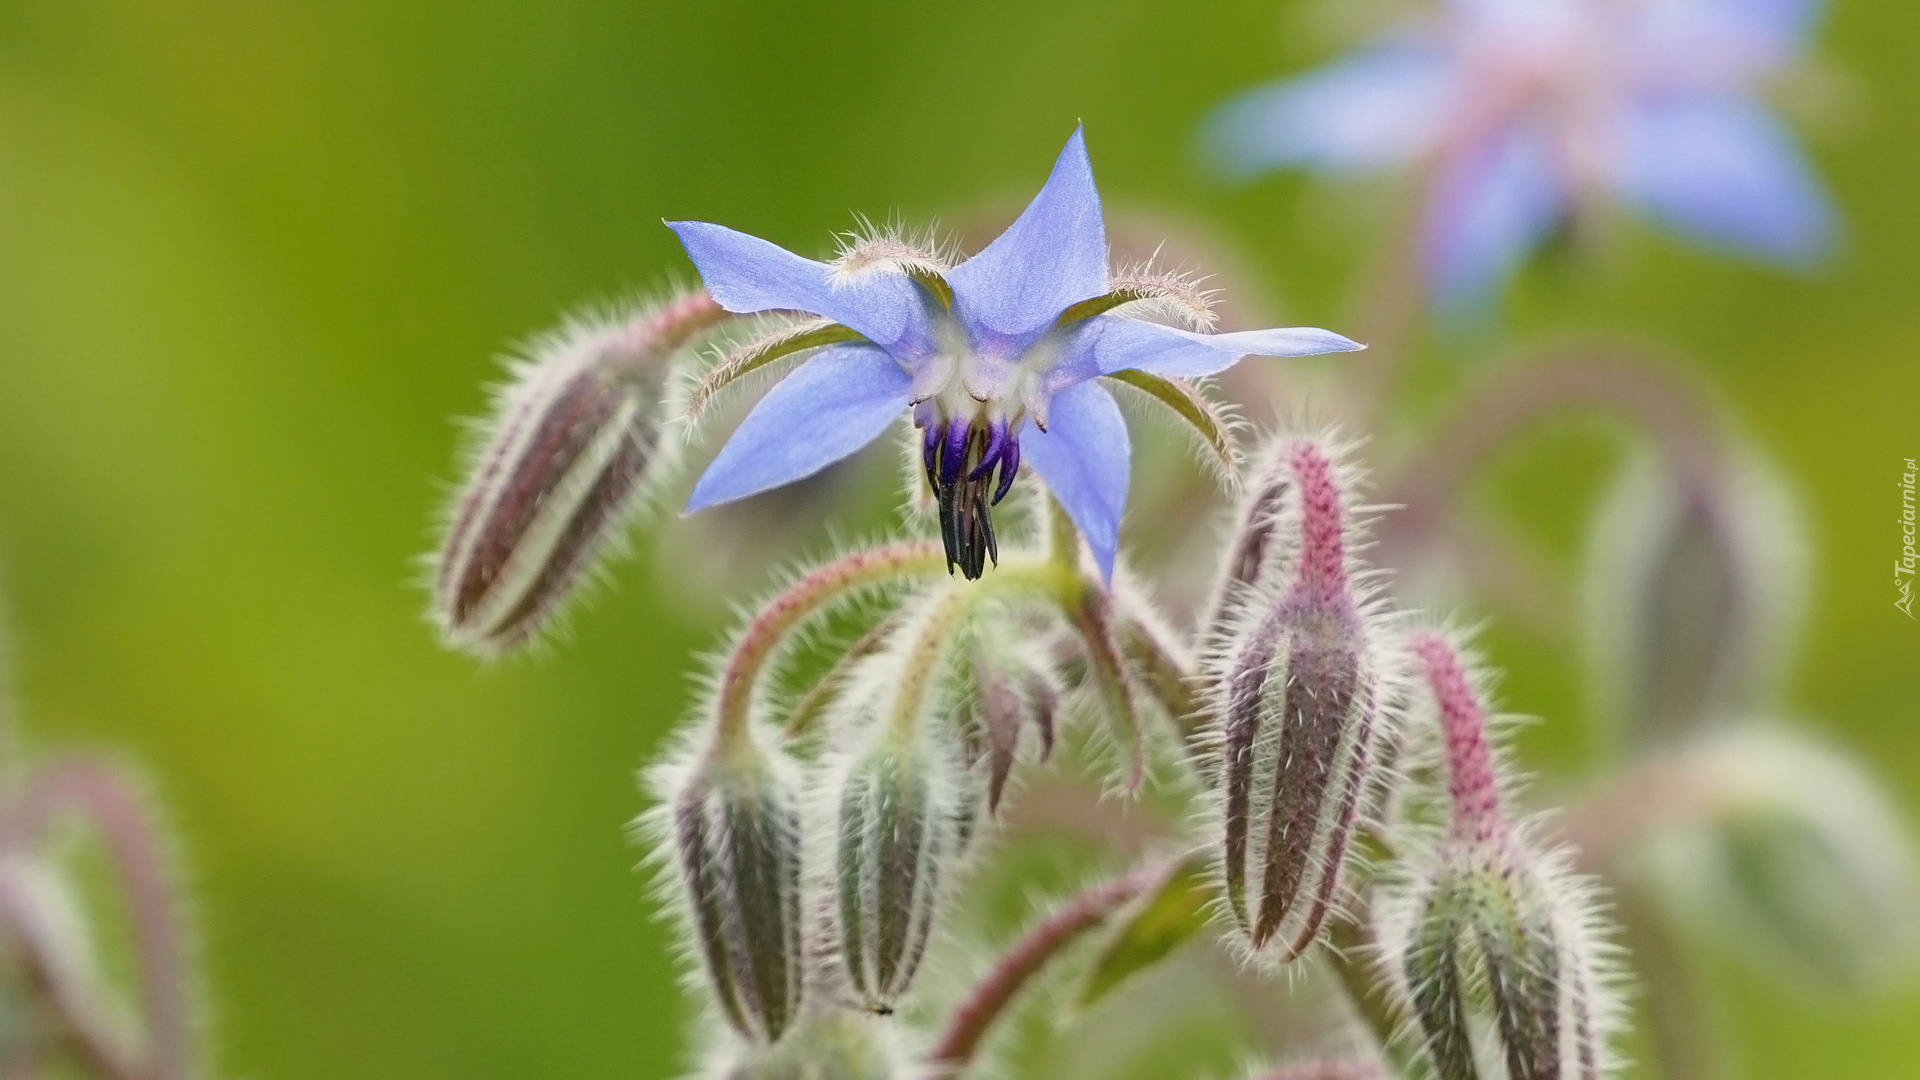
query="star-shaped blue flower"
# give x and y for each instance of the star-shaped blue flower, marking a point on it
(995, 358)
(1523, 108)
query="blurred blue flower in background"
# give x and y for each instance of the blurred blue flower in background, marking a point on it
(1015, 333)
(1524, 112)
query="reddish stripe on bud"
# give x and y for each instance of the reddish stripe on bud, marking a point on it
(736, 834)
(897, 836)
(576, 436)
(1297, 699)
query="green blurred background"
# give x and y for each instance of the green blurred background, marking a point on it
(255, 254)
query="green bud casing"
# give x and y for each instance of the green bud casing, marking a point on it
(900, 810)
(736, 835)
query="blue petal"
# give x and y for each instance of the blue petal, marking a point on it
(1491, 208)
(836, 402)
(1052, 257)
(1385, 105)
(1107, 343)
(1725, 44)
(747, 274)
(1084, 456)
(1723, 171)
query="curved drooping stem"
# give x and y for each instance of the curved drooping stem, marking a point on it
(975, 1015)
(800, 601)
(1602, 376)
(100, 795)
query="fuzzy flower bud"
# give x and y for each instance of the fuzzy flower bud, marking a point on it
(1009, 697)
(1257, 541)
(1297, 691)
(1493, 946)
(1694, 592)
(574, 438)
(1796, 854)
(736, 835)
(901, 804)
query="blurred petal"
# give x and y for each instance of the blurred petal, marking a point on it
(1728, 174)
(1053, 256)
(1719, 43)
(1383, 106)
(836, 402)
(1490, 209)
(747, 274)
(1106, 344)
(1084, 456)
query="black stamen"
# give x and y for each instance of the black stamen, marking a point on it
(961, 461)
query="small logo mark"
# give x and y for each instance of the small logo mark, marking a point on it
(1903, 566)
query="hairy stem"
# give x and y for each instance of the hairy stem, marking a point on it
(808, 710)
(800, 601)
(976, 1015)
(100, 795)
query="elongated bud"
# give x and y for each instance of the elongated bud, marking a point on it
(1258, 542)
(575, 436)
(1493, 946)
(900, 808)
(1799, 857)
(1694, 590)
(736, 834)
(1009, 697)
(1296, 696)
(827, 1043)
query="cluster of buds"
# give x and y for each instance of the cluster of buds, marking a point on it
(818, 834)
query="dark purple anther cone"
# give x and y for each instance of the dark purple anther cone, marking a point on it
(960, 459)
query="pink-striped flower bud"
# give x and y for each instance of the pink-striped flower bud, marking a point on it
(575, 436)
(900, 808)
(735, 831)
(1493, 946)
(1296, 701)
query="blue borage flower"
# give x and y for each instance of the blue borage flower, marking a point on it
(1013, 335)
(1523, 108)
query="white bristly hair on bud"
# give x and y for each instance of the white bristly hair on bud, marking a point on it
(1494, 950)
(894, 800)
(1299, 699)
(567, 458)
(727, 833)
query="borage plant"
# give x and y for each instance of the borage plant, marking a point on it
(1285, 771)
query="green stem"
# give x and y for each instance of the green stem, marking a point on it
(988, 1001)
